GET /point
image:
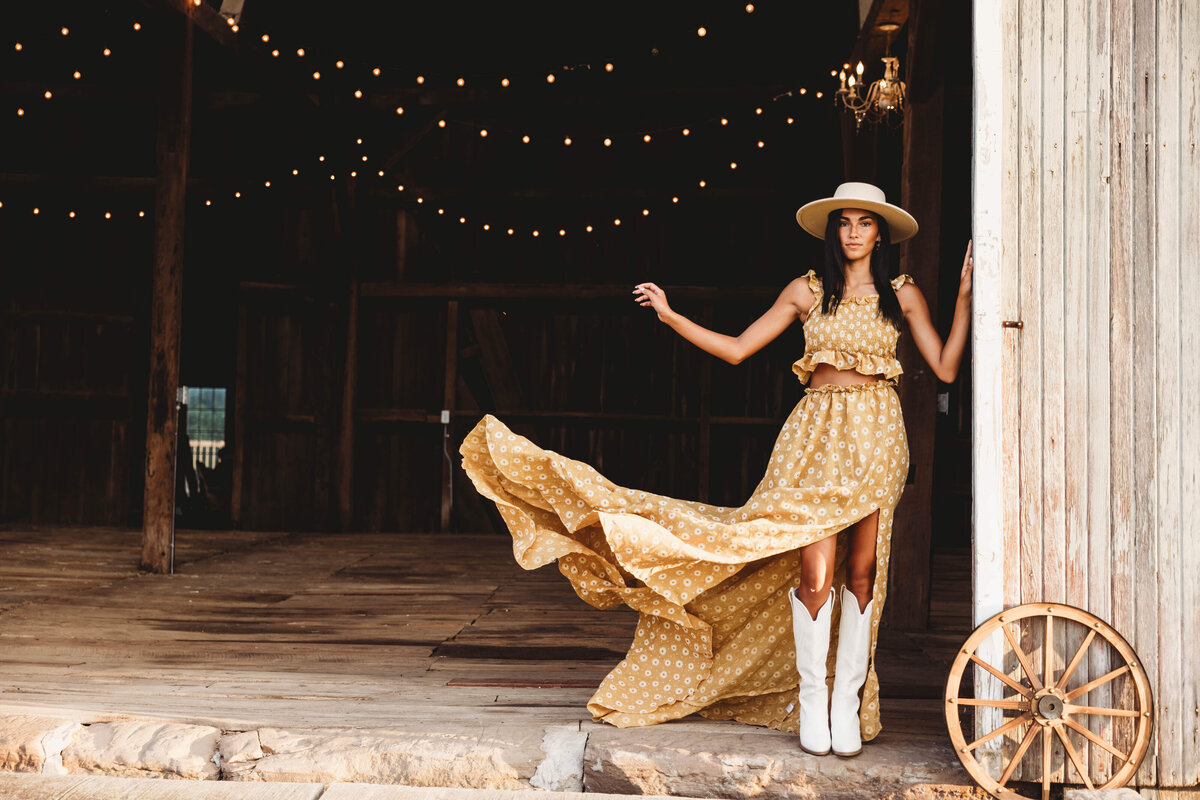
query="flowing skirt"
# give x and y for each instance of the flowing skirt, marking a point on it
(710, 583)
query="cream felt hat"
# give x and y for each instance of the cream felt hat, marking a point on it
(813, 216)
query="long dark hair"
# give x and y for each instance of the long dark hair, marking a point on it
(833, 282)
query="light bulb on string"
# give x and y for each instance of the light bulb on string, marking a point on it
(608, 67)
(300, 52)
(550, 78)
(375, 71)
(141, 213)
(420, 79)
(646, 138)
(608, 142)
(18, 47)
(358, 93)
(399, 109)
(702, 32)
(66, 31)
(107, 52)
(589, 229)
(441, 123)
(340, 64)
(266, 38)
(137, 26)
(525, 139)
(687, 132)
(461, 82)
(275, 53)
(504, 82)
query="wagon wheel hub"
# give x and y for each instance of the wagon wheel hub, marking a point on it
(1049, 706)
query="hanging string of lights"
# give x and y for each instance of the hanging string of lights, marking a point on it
(342, 68)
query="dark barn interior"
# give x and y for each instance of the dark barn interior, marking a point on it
(346, 271)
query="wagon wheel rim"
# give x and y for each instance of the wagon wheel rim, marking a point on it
(1045, 709)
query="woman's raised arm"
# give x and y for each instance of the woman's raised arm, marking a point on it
(795, 299)
(945, 358)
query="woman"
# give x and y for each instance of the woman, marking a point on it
(717, 588)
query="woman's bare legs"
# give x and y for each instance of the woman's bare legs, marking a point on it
(816, 566)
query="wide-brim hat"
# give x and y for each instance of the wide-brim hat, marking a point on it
(814, 216)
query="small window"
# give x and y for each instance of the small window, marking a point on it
(205, 424)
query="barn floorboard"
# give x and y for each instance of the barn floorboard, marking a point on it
(363, 632)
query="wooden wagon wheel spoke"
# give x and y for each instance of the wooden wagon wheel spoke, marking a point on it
(1001, 676)
(1047, 764)
(1103, 679)
(1021, 657)
(1075, 659)
(1007, 705)
(1048, 654)
(1094, 739)
(1030, 735)
(1092, 710)
(1005, 728)
(1074, 756)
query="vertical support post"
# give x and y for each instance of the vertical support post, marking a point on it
(241, 389)
(921, 194)
(166, 305)
(343, 221)
(448, 404)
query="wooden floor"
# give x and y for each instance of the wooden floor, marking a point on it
(309, 630)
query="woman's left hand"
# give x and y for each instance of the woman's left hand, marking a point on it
(968, 267)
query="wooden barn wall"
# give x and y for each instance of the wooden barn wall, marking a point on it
(1102, 383)
(73, 376)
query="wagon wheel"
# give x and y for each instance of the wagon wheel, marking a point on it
(1044, 703)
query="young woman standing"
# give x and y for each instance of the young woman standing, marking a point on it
(718, 588)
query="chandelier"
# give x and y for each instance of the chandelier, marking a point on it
(883, 101)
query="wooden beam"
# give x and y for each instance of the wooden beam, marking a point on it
(166, 306)
(554, 291)
(240, 389)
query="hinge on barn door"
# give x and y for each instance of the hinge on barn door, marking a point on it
(1013, 323)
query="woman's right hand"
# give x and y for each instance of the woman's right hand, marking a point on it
(648, 294)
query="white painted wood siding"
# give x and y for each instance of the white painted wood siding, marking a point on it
(1087, 426)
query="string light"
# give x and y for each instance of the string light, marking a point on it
(702, 32)
(137, 26)
(65, 31)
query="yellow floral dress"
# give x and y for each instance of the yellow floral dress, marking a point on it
(710, 583)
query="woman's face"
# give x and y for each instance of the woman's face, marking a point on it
(858, 231)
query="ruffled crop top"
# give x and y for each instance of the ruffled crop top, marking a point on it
(852, 337)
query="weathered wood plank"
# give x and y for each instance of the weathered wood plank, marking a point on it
(1167, 140)
(1030, 244)
(1145, 247)
(1078, 230)
(1098, 359)
(1011, 280)
(166, 307)
(1124, 267)
(1189, 385)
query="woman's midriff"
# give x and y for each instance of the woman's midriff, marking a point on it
(825, 374)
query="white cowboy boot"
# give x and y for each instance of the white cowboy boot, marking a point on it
(812, 648)
(854, 642)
